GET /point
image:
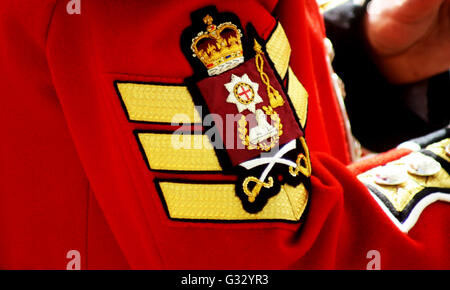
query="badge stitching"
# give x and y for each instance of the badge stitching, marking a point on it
(244, 132)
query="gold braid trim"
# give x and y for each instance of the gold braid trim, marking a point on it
(275, 98)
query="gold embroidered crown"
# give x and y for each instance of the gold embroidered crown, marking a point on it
(219, 48)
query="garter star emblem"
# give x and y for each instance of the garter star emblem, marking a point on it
(233, 76)
(243, 93)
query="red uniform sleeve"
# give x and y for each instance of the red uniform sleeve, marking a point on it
(45, 196)
(74, 177)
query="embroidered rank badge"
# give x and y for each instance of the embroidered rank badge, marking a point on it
(234, 79)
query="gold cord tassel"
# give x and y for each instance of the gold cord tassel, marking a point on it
(275, 98)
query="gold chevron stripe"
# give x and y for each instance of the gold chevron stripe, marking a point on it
(298, 96)
(158, 103)
(279, 50)
(219, 202)
(179, 152)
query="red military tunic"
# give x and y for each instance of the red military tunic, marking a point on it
(77, 175)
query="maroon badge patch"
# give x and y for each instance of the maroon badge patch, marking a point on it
(261, 127)
(235, 80)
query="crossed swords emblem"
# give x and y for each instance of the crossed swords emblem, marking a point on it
(302, 165)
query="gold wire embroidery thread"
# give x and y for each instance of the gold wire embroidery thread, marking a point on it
(275, 98)
(303, 162)
(252, 194)
(303, 166)
(263, 146)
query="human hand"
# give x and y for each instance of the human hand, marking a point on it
(410, 39)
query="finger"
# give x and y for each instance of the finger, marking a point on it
(394, 25)
(406, 11)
